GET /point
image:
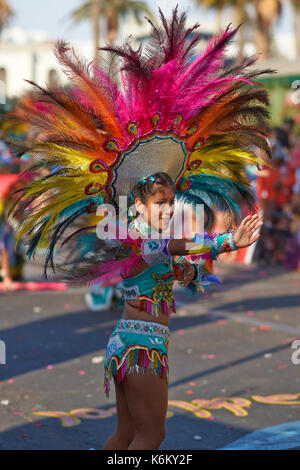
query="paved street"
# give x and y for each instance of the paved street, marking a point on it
(231, 369)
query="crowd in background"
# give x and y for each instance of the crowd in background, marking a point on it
(278, 192)
(11, 257)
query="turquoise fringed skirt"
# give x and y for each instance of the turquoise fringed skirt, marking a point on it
(136, 346)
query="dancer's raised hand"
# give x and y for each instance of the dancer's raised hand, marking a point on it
(243, 235)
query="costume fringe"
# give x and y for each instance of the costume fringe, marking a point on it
(152, 307)
(136, 361)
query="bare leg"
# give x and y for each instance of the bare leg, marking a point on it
(147, 399)
(124, 433)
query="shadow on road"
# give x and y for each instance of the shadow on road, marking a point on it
(50, 434)
(59, 338)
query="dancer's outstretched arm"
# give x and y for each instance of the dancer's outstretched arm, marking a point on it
(241, 237)
(157, 251)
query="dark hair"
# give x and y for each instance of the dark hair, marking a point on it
(282, 136)
(290, 122)
(146, 187)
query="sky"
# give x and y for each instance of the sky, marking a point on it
(52, 16)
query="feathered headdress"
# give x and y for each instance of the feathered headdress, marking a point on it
(199, 120)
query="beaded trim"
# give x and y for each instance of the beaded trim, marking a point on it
(131, 292)
(223, 243)
(142, 327)
(137, 358)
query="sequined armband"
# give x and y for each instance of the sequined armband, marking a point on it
(222, 243)
(155, 251)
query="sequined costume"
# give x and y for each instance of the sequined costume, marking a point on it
(154, 286)
(138, 346)
(190, 114)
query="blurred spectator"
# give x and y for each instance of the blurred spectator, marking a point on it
(268, 179)
(283, 135)
(5, 155)
(292, 245)
(295, 164)
(6, 253)
(278, 191)
(11, 259)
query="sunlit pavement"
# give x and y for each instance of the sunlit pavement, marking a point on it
(231, 369)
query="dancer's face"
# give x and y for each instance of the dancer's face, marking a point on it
(159, 208)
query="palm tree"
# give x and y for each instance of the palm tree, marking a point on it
(239, 14)
(266, 12)
(218, 6)
(95, 18)
(296, 24)
(113, 11)
(5, 13)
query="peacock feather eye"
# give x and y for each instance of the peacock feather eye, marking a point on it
(194, 165)
(132, 128)
(111, 145)
(199, 143)
(192, 130)
(93, 188)
(156, 119)
(178, 119)
(183, 184)
(98, 166)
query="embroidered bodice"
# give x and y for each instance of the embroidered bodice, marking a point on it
(154, 286)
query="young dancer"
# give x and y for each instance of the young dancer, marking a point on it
(137, 351)
(173, 126)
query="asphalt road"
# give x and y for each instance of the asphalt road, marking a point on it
(231, 368)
